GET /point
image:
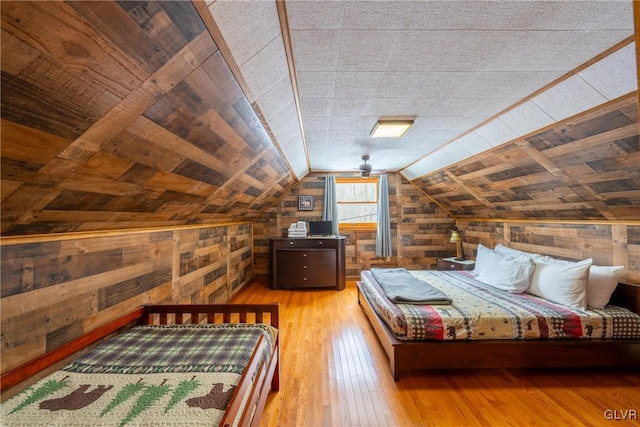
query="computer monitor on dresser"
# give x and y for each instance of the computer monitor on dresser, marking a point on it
(320, 228)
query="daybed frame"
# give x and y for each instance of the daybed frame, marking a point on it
(412, 355)
(267, 378)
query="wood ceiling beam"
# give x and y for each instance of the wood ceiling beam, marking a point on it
(286, 39)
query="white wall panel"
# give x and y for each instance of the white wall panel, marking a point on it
(474, 143)
(526, 118)
(614, 75)
(496, 133)
(568, 98)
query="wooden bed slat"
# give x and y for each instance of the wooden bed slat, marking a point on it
(211, 310)
(260, 378)
(245, 385)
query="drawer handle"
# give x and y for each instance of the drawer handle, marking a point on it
(320, 243)
(304, 266)
(304, 254)
(290, 242)
(452, 266)
(304, 278)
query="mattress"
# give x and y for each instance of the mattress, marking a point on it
(149, 375)
(479, 311)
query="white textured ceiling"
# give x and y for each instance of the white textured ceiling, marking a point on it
(450, 64)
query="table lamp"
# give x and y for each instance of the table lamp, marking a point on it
(457, 239)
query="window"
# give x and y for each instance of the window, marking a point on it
(357, 202)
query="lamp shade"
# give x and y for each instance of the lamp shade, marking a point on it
(455, 237)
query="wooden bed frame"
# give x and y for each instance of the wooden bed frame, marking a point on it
(413, 355)
(267, 378)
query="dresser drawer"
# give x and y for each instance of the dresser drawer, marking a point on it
(306, 268)
(307, 243)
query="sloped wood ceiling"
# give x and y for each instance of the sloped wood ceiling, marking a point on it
(586, 168)
(124, 114)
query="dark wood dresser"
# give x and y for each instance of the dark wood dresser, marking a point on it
(307, 263)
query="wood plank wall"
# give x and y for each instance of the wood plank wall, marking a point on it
(420, 229)
(606, 244)
(125, 115)
(571, 190)
(584, 168)
(55, 289)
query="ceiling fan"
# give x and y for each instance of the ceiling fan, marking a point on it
(366, 170)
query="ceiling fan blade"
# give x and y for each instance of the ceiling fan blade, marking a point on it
(366, 170)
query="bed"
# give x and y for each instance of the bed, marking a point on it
(422, 336)
(210, 364)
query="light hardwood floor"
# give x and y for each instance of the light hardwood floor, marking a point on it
(335, 373)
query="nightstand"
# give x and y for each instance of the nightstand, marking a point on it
(452, 264)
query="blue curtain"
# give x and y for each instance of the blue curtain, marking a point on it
(383, 232)
(330, 206)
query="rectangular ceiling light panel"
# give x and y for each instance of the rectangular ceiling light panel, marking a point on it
(390, 128)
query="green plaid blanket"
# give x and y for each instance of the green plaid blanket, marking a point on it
(175, 348)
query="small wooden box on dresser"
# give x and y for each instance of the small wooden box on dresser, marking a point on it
(453, 264)
(307, 263)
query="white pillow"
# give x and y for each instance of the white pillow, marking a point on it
(507, 250)
(603, 280)
(563, 282)
(507, 272)
(482, 257)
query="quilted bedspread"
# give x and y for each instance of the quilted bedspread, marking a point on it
(480, 311)
(149, 375)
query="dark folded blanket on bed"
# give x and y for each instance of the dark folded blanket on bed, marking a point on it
(402, 287)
